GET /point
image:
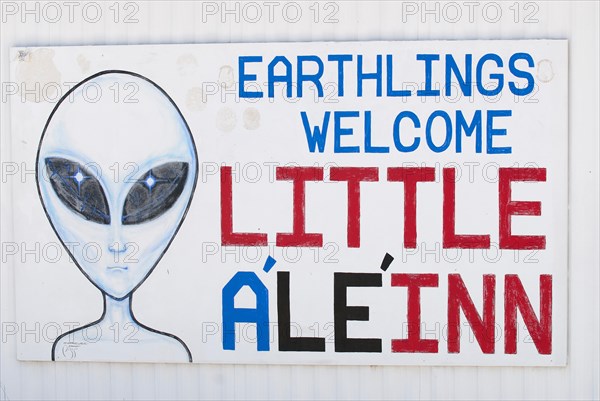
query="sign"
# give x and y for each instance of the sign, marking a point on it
(380, 203)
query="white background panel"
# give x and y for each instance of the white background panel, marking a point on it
(186, 22)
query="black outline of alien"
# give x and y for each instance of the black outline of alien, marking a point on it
(130, 294)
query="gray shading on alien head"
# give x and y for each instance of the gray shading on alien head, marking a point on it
(120, 174)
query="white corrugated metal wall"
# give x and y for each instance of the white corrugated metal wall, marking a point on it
(184, 22)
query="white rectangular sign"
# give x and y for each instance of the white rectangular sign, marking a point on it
(380, 203)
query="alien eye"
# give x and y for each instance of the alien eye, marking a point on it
(155, 192)
(79, 190)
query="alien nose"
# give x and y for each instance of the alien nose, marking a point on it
(117, 247)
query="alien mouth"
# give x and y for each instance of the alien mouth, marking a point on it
(117, 268)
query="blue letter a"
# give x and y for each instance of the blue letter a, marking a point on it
(233, 315)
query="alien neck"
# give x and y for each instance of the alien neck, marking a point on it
(117, 311)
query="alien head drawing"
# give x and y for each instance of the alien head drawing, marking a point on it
(117, 175)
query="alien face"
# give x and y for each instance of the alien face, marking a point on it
(116, 178)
